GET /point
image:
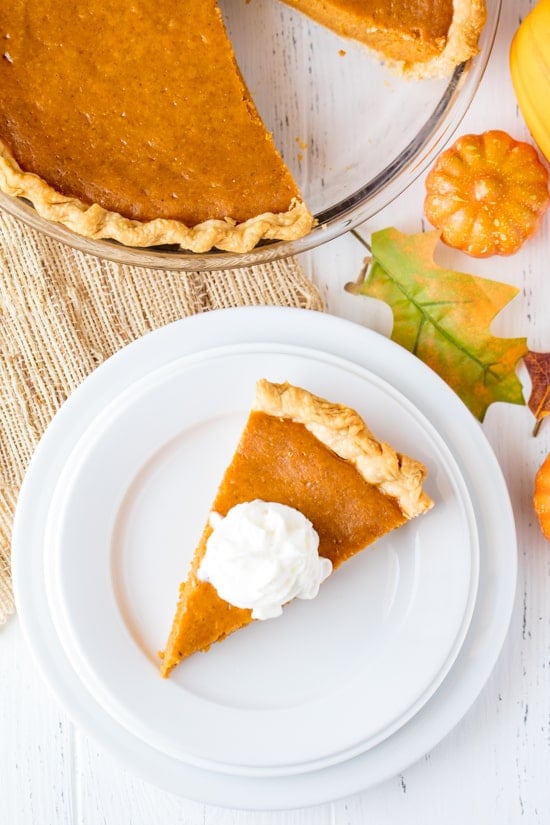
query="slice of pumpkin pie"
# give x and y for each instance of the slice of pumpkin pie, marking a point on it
(308, 487)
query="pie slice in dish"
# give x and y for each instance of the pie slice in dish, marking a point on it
(422, 38)
(319, 458)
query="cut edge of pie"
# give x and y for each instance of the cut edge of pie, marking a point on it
(95, 222)
(202, 617)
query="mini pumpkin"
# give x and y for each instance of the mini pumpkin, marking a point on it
(541, 496)
(487, 194)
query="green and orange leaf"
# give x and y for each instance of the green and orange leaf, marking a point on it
(444, 317)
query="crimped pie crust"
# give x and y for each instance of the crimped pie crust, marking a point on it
(342, 430)
(95, 222)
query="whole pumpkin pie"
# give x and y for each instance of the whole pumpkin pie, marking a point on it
(131, 121)
(318, 458)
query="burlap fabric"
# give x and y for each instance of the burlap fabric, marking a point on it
(62, 313)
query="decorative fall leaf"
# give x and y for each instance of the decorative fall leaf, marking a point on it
(443, 317)
(538, 367)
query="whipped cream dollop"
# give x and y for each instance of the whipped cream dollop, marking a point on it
(262, 555)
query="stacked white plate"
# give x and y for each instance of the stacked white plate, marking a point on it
(340, 692)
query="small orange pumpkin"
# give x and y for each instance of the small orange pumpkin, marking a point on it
(487, 194)
(541, 496)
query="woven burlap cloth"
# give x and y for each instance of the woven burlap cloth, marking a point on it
(62, 313)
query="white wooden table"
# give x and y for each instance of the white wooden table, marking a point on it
(494, 767)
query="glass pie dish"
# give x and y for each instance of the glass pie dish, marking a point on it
(353, 134)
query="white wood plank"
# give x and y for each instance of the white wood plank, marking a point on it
(36, 741)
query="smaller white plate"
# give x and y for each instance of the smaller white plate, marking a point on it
(329, 679)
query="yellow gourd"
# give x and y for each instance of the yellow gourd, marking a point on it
(530, 71)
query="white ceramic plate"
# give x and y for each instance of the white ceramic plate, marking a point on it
(63, 487)
(330, 679)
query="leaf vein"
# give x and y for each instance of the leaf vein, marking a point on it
(427, 319)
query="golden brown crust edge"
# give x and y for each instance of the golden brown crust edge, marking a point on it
(96, 223)
(469, 17)
(344, 431)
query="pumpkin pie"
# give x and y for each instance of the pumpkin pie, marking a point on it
(317, 457)
(131, 121)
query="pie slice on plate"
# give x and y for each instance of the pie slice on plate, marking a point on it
(317, 458)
